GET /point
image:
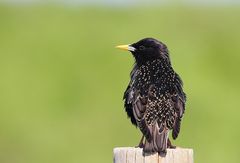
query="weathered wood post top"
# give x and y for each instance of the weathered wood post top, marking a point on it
(134, 155)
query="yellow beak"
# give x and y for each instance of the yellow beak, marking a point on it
(126, 47)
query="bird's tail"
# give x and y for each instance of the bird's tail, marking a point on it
(158, 143)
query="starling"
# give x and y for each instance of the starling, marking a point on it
(154, 98)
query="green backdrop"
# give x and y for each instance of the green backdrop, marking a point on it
(62, 80)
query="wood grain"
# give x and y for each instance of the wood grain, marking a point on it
(135, 155)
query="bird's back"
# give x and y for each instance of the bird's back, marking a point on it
(155, 102)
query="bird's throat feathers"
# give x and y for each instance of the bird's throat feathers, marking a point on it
(164, 57)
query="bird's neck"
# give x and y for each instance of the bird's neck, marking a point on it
(153, 61)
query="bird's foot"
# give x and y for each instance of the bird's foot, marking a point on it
(169, 145)
(140, 145)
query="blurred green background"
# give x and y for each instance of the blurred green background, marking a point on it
(62, 80)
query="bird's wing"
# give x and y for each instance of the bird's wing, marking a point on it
(164, 109)
(139, 110)
(147, 110)
(128, 97)
(179, 99)
(155, 116)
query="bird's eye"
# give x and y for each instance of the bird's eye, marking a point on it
(141, 47)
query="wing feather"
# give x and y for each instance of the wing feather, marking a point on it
(179, 100)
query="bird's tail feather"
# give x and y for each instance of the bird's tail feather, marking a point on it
(158, 142)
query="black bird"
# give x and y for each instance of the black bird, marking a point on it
(154, 98)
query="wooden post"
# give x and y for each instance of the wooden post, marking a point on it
(134, 155)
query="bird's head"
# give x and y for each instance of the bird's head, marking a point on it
(147, 49)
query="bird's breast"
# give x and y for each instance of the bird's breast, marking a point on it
(156, 73)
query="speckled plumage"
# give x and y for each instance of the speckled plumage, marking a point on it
(154, 99)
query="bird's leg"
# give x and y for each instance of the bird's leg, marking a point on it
(169, 144)
(140, 145)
